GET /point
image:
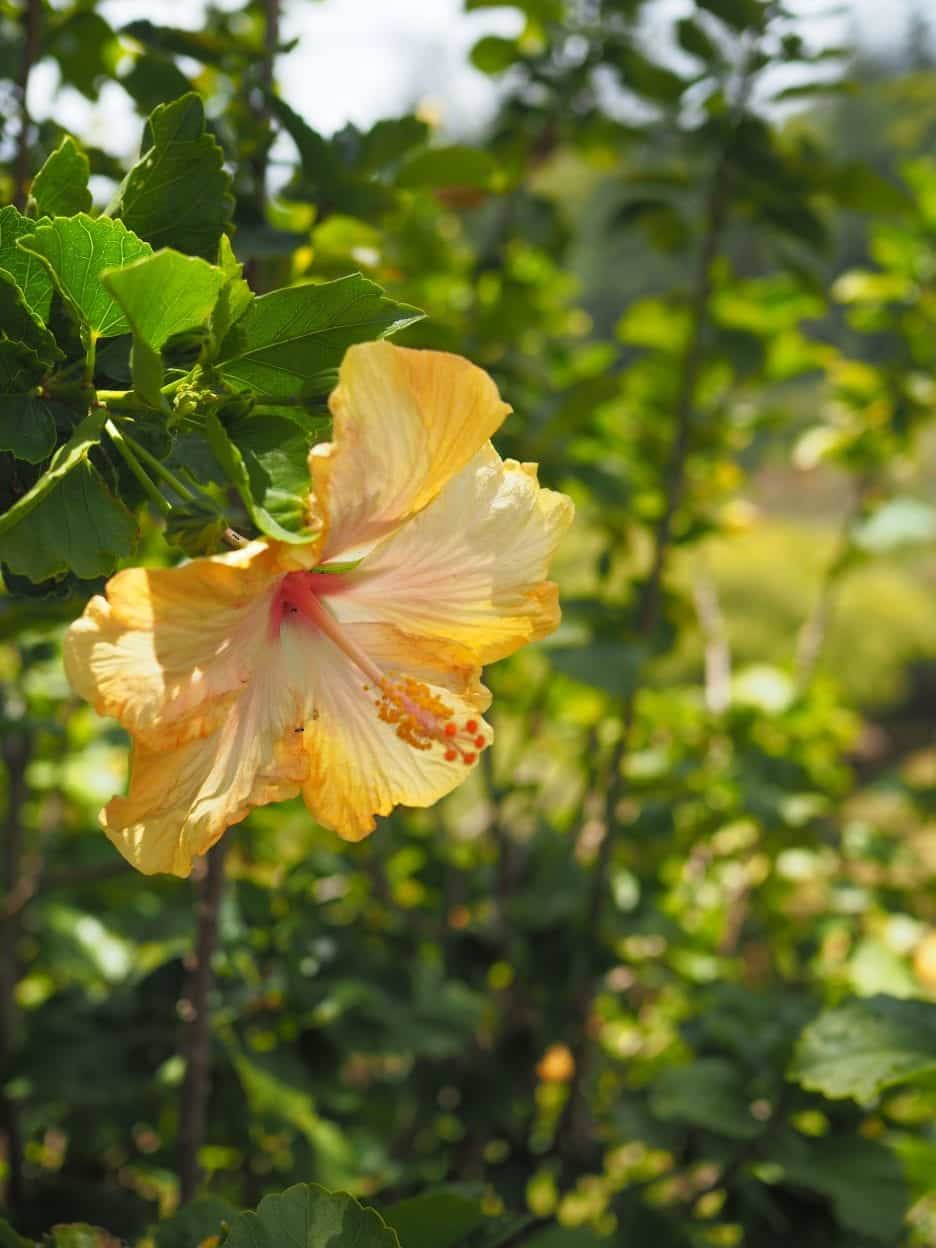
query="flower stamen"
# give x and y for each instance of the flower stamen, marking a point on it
(419, 717)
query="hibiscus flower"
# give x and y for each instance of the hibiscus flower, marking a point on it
(346, 669)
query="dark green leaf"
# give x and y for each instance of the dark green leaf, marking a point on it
(200, 45)
(647, 78)
(85, 48)
(865, 1045)
(60, 188)
(739, 14)
(76, 251)
(232, 461)
(152, 79)
(694, 40)
(389, 141)
(709, 1093)
(862, 1178)
(68, 521)
(439, 1219)
(306, 1216)
(178, 193)
(27, 426)
(21, 369)
(611, 666)
(20, 324)
(276, 455)
(293, 340)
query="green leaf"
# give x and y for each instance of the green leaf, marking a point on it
(694, 40)
(85, 48)
(68, 521)
(27, 270)
(647, 78)
(162, 295)
(236, 296)
(232, 461)
(709, 1093)
(738, 14)
(20, 324)
(178, 193)
(608, 665)
(865, 1045)
(494, 54)
(449, 166)
(79, 1235)
(200, 45)
(21, 369)
(388, 141)
(438, 1219)
(306, 1216)
(152, 79)
(197, 1221)
(77, 250)
(293, 340)
(27, 426)
(60, 188)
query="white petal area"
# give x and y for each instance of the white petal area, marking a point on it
(405, 422)
(358, 767)
(168, 649)
(181, 800)
(471, 567)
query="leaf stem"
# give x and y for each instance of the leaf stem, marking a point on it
(196, 1039)
(90, 358)
(148, 485)
(160, 469)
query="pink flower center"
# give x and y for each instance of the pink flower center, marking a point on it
(419, 717)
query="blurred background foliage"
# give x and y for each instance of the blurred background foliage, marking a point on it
(697, 251)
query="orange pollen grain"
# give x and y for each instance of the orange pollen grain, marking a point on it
(451, 755)
(471, 726)
(469, 758)
(479, 743)
(450, 729)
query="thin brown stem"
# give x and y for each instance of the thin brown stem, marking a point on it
(32, 21)
(17, 748)
(195, 1011)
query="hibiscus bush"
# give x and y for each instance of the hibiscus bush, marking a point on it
(354, 894)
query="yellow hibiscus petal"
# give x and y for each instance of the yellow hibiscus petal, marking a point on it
(181, 800)
(405, 422)
(358, 766)
(169, 648)
(472, 566)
